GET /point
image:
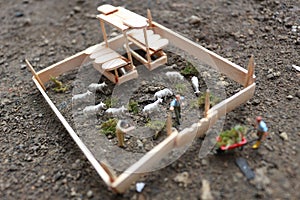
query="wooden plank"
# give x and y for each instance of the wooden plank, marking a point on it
(159, 44)
(107, 57)
(80, 144)
(130, 75)
(101, 53)
(149, 160)
(107, 9)
(114, 21)
(113, 64)
(94, 49)
(233, 71)
(234, 101)
(135, 23)
(127, 14)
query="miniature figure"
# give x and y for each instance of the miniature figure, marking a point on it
(176, 106)
(121, 129)
(195, 83)
(262, 129)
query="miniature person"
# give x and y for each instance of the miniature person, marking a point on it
(262, 129)
(122, 128)
(176, 106)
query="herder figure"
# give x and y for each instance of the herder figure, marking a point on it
(262, 129)
(176, 106)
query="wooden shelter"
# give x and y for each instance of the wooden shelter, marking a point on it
(151, 37)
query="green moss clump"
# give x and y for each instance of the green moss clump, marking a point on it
(133, 107)
(189, 70)
(232, 136)
(59, 86)
(109, 127)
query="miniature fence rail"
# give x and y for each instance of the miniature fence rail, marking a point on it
(175, 139)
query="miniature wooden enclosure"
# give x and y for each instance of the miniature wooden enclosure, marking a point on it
(151, 37)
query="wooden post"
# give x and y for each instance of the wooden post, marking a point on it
(104, 32)
(149, 17)
(111, 173)
(147, 46)
(35, 74)
(127, 48)
(169, 124)
(207, 103)
(249, 77)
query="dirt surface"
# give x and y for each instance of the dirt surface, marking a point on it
(39, 160)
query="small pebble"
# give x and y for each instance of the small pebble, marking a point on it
(289, 97)
(284, 136)
(90, 194)
(19, 14)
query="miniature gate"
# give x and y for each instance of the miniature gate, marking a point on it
(104, 52)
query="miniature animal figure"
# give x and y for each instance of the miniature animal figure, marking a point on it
(82, 96)
(152, 106)
(195, 83)
(95, 86)
(174, 75)
(163, 93)
(93, 109)
(115, 111)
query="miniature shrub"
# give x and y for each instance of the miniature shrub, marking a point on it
(189, 70)
(133, 107)
(111, 102)
(213, 100)
(109, 127)
(232, 136)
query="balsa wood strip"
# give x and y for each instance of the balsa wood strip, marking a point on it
(80, 144)
(234, 101)
(35, 74)
(145, 163)
(63, 66)
(233, 71)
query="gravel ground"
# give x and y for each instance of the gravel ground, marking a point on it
(38, 158)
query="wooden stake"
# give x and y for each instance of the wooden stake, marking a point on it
(147, 46)
(249, 77)
(207, 103)
(35, 74)
(127, 48)
(104, 32)
(169, 124)
(149, 17)
(112, 174)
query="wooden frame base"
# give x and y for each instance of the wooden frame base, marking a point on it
(175, 139)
